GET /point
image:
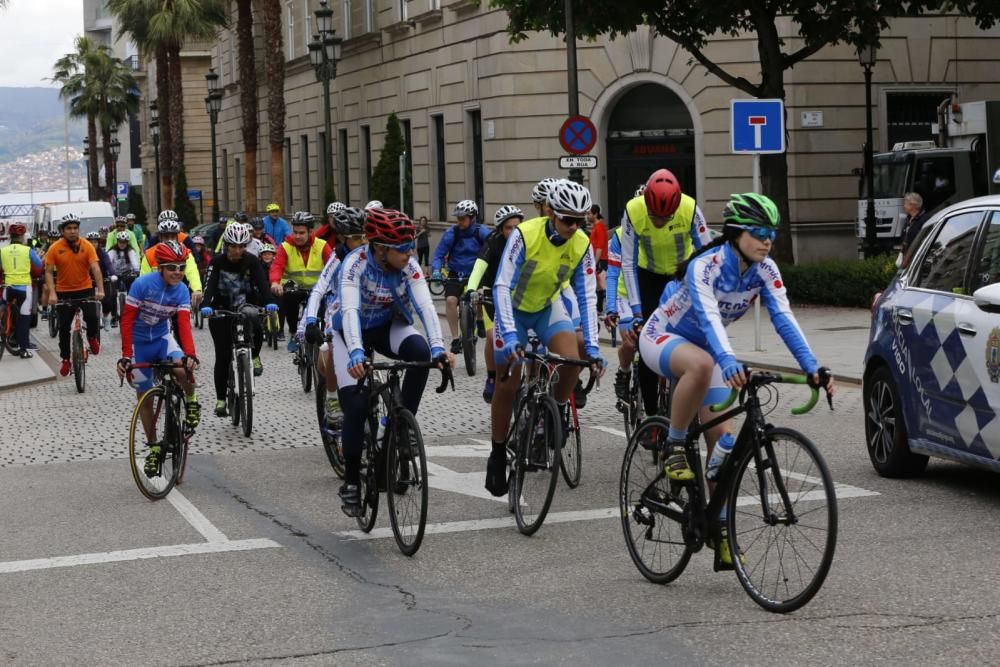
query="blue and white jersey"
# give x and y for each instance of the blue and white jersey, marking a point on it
(367, 297)
(714, 294)
(614, 271)
(157, 302)
(323, 291)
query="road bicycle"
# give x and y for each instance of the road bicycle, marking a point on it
(77, 345)
(536, 433)
(240, 381)
(272, 326)
(124, 284)
(329, 433)
(467, 331)
(303, 355)
(168, 429)
(396, 463)
(780, 509)
(571, 460)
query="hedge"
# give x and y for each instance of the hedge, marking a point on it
(837, 282)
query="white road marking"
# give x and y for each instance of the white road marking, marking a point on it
(195, 518)
(466, 483)
(460, 451)
(10, 567)
(606, 429)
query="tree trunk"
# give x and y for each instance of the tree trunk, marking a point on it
(109, 174)
(248, 101)
(275, 60)
(92, 165)
(166, 134)
(176, 118)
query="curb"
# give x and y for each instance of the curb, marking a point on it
(49, 360)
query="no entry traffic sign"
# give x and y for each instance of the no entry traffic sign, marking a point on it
(578, 135)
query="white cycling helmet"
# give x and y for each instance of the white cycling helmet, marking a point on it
(375, 203)
(540, 192)
(569, 198)
(168, 226)
(505, 213)
(237, 234)
(123, 236)
(640, 191)
(266, 247)
(464, 208)
(335, 207)
(166, 215)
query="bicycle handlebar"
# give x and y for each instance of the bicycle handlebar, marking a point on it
(552, 358)
(446, 375)
(761, 378)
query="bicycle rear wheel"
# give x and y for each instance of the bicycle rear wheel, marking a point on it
(232, 396)
(406, 482)
(79, 365)
(785, 548)
(436, 287)
(468, 331)
(245, 381)
(536, 467)
(167, 431)
(571, 461)
(634, 411)
(653, 509)
(3, 330)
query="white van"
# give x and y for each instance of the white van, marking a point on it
(92, 214)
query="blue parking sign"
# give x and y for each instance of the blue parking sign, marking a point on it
(756, 126)
(122, 189)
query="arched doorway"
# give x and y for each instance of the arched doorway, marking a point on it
(650, 128)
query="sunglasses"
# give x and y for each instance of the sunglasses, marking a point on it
(760, 233)
(172, 267)
(571, 220)
(402, 247)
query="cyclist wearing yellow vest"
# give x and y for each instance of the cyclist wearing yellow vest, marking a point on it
(300, 258)
(18, 264)
(541, 256)
(660, 230)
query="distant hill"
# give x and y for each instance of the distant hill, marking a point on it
(31, 121)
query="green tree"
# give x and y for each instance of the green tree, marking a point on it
(385, 178)
(182, 205)
(692, 24)
(136, 206)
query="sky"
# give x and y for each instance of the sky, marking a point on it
(33, 35)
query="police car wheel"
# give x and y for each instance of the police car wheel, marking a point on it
(885, 428)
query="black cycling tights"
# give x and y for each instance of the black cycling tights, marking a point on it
(650, 290)
(222, 337)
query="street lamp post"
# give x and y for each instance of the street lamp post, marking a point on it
(324, 52)
(867, 56)
(86, 154)
(116, 149)
(213, 105)
(154, 129)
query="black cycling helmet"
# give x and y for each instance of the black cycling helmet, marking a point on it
(350, 221)
(240, 216)
(256, 222)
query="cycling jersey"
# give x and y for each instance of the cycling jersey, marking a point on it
(658, 251)
(368, 297)
(229, 285)
(149, 306)
(460, 247)
(322, 291)
(714, 294)
(124, 261)
(537, 269)
(484, 271)
(617, 294)
(191, 274)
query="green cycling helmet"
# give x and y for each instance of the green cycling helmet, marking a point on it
(751, 209)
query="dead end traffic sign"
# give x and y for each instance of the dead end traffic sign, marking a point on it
(578, 162)
(578, 135)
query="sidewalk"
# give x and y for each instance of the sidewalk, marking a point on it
(15, 372)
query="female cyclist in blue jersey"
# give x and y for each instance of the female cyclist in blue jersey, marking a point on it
(685, 337)
(380, 291)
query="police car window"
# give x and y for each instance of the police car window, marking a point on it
(987, 270)
(943, 266)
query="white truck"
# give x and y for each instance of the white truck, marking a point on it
(93, 215)
(959, 165)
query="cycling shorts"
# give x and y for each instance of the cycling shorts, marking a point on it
(454, 287)
(386, 339)
(568, 297)
(546, 323)
(161, 349)
(655, 348)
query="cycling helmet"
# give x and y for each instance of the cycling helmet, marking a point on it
(662, 194)
(350, 221)
(334, 207)
(256, 222)
(237, 234)
(266, 247)
(464, 208)
(385, 225)
(505, 213)
(121, 219)
(169, 226)
(166, 215)
(92, 236)
(639, 191)
(129, 217)
(540, 192)
(170, 252)
(69, 219)
(272, 208)
(751, 209)
(241, 216)
(16, 229)
(198, 239)
(104, 229)
(123, 236)
(53, 234)
(375, 203)
(569, 198)
(303, 218)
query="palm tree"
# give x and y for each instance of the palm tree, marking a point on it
(118, 98)
(70, 72)
(275, 61)
(248, 100)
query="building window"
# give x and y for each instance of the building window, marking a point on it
(345, 167)
(291, 29)
(232, 57)
(401, 9)
(434, 4)
(304, 173)
(239, 180)
(306, 24)
(475, 156)
(408, 165)
(369, 15)
(288, 204)
(440, 180)
(321, 149)
(225, 181)
(346, 27)
(366, 157)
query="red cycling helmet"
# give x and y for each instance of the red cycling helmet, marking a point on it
(17, 229)
(170, 252)
(388, 226)
(662, 194)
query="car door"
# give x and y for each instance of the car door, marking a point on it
(930, 318)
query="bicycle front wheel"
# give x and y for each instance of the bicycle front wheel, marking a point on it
(782, 521)
(305, 371)
(79, 365)
(436, 287)
(246, 393)
(468, 327)
(406, 482)
(369, 481)
(536, 467)
(653, 509)
(164, 431)
(571, 461)
(232, 395)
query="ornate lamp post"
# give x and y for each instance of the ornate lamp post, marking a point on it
(867, 55)
(154, 129)
(116, 149)
(213, 105)
(324, 52)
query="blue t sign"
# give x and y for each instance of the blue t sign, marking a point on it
(757, 126)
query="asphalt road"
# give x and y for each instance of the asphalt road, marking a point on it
(253, 562)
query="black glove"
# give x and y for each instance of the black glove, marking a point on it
(313, 335)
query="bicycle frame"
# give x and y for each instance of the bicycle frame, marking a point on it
(241, 339)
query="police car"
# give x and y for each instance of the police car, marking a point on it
(932, 367)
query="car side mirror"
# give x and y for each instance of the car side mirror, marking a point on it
(988, 298)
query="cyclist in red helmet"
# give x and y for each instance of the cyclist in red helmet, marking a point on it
(374, 285)
(661, 228)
